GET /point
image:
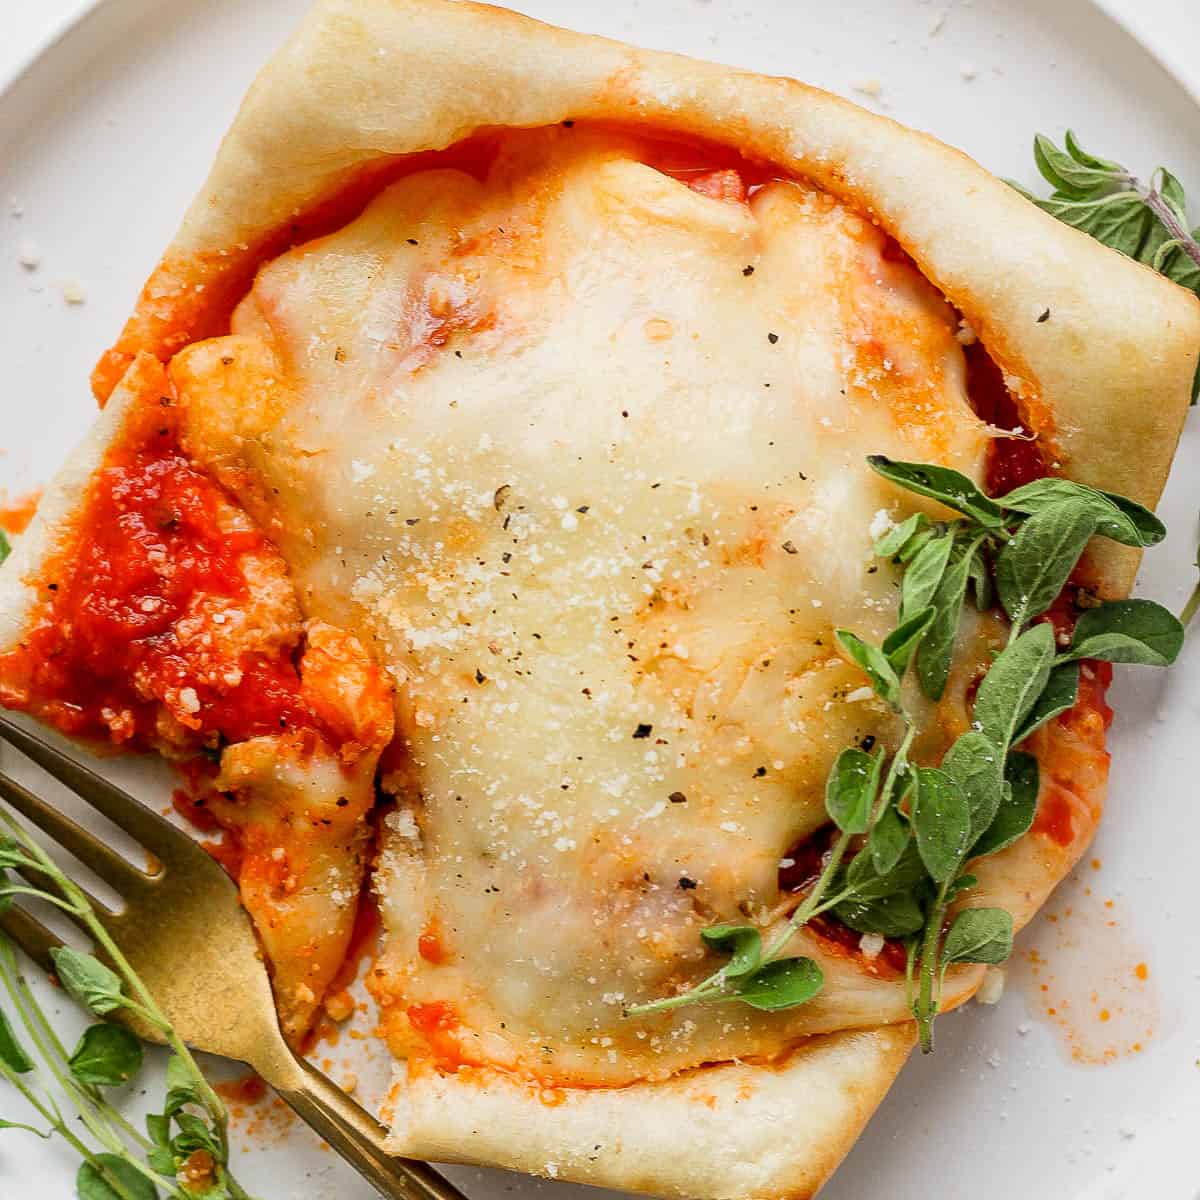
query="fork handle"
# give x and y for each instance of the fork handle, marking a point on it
(358, 1138)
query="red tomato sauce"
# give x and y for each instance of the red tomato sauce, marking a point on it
(437, 1022)
(1058, 805)
(104, 647)
(1012, 461)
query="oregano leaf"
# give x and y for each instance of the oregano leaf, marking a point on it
(891, 543)
(949, 487)
(783, 983)
(900, 645)
(922, 576)
(851, 788)
(865, 881)
(937, 644)
(979, 935)
(743, 943)
(158, 1126)
(1171, 190)
(1127, 631)
(1118, 518)
(1018, 806)
(91, 1184)
(107, 1056)
(1065, 174)
(1034, 567)
(162, 1160)
(1077, 152)
(976, 764)
(895, 915)
(88, 980)
(1013, 684)
(874, 662)
(964, 883)
(1057, 697)
(980, 577)
(12, 1053)
(887, 840)
(941, 821)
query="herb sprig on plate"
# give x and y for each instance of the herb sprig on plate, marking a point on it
(1146, 221)
(184, 1153)
(906, 834)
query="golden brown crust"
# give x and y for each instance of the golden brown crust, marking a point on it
(737, 1130)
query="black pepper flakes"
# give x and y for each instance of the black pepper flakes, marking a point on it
(643, 730)
(1044, 317)
(677, 798)
(772, 338)
(747, 271)
(760, 772)
(412, 241)
(686, 884)
(790, 547)
(480, 677)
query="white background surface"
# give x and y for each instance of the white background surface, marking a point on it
(103, 153)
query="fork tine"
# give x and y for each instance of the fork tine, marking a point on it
(90, 851)
(155, 833)
(30, 934)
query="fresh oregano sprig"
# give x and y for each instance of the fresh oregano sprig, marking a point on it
(906, 833)
(985, 795)
(1146, 221)
(119, 1162)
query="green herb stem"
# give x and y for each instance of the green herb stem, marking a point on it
(809, 907)
(1155, 202)
(99, 1123)
(926, 1008)
(103, 1122)
(49, 1045)
(77, 904)
(1189, 609)
(57, 1125)
(899, 762)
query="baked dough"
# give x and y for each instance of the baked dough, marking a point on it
(655, 400)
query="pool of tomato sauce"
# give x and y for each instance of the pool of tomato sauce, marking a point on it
(149, 541)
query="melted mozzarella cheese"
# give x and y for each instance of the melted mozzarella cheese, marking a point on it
(579, 453)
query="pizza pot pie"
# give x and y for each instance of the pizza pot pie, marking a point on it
(480, 480)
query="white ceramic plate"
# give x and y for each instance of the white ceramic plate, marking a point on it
(104, 139)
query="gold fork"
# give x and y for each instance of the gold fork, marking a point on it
(186, 934)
